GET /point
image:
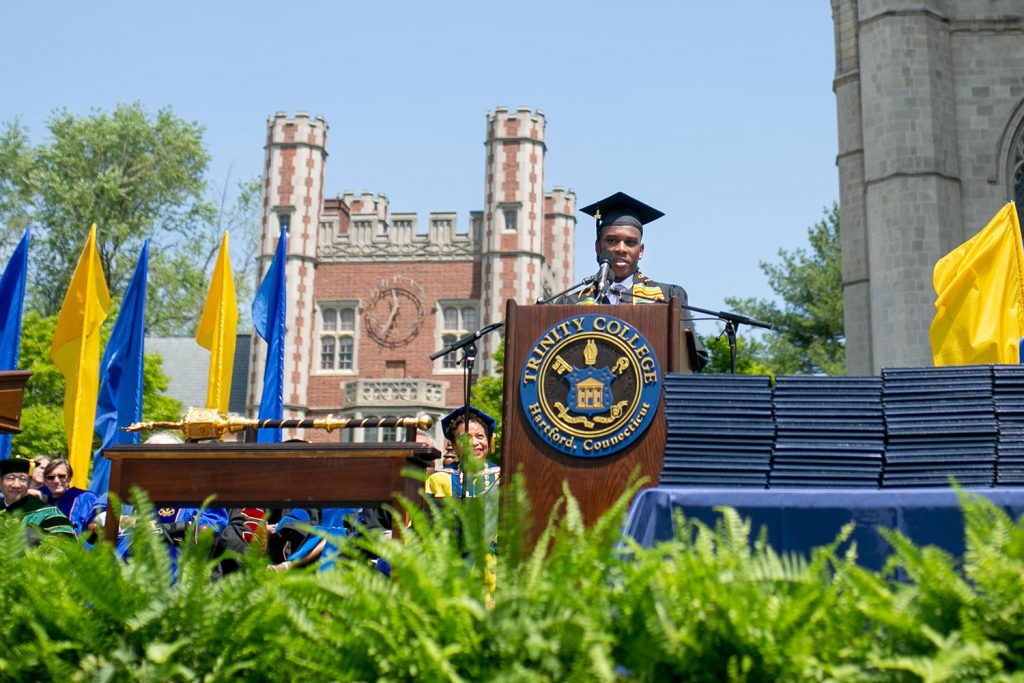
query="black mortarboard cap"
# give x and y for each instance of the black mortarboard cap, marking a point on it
(488, 422)
(15, 465)
(621, 209)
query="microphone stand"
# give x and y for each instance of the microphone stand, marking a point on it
(463, 342)
(580, 285)
(732, 323)
(468, 360)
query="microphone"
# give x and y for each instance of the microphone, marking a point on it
(604, 274)
(744, 320)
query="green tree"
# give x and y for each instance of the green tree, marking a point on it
(15, 194)
(42, 416)
(136, 175)
(185, 273)
(748, 355)
(238, 212)
(808, 335)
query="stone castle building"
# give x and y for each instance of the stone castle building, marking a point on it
(372, 293)
(930, 101)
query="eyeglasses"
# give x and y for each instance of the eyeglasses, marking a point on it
(15, 478)
(55, 477)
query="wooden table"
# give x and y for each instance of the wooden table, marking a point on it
(266, 475)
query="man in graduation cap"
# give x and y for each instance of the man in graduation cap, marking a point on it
(620, 222)
(38, 517)
(470, 430)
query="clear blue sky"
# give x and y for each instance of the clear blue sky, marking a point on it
(720, 114)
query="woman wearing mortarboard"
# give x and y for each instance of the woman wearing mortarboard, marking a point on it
(471, 430)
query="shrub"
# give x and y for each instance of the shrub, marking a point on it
(715, 604)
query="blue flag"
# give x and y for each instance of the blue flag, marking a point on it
(268, 314)
(12, 297)
(119, 403)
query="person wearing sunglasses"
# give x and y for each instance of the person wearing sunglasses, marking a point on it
(76, 504)
(38, 516)
(36, 485)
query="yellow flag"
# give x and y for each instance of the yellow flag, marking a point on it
(76, 353)
(217, 330)
(979, 315)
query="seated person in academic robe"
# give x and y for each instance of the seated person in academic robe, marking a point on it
(175, 524)
(76, 504)
(471, 432)
(620, 222)
(377, 518)
(319, 545)
(288, 530)
(373, 521)
(39, 517)
(181, 524)
(37, 486)
(245, 525)
(471, 429)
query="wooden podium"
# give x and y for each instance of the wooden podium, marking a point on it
(596, 482)
(12, 391)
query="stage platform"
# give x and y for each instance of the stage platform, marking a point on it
(798, 520)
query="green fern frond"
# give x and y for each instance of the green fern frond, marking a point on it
(952, 660)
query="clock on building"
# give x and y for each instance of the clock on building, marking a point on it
(395, 311)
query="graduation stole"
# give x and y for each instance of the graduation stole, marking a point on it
(484, 481)
(644, 291)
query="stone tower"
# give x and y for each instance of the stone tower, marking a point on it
(930, 102)
(514, 237)
(293, 180)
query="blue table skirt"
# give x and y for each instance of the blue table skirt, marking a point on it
(801, 519)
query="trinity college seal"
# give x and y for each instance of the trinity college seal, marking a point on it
(590, 385)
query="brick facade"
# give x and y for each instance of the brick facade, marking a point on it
(372, 296)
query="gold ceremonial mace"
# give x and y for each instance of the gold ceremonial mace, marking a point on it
(209, 423)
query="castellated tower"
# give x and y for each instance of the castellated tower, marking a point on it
(293, 181)
(514, 239)
(559, 240)
(371, 296)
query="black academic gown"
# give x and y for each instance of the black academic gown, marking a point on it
(644, 291)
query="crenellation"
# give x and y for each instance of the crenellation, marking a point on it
(373, 234)
(562, 201)
(524, 122)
